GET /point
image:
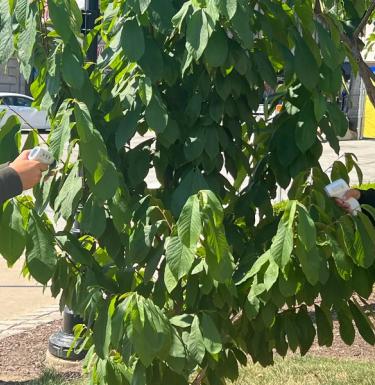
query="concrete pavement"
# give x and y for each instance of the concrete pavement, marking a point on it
(23, 303)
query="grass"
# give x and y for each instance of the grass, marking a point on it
(310, 371)
(290, 371)
(52, 378)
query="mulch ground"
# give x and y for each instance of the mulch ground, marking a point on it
(22, 357)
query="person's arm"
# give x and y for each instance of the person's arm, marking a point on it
(367, 197)
(10, 183)
(19, 175)
(363, 197)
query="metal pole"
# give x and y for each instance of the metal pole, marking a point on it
(60, 342)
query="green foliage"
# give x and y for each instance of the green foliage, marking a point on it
(188, 279)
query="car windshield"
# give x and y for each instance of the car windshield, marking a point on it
(16, 101)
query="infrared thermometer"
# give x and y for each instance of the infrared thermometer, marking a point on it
(337, 189)
(41, 155)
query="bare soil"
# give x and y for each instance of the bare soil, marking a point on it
(22, 357)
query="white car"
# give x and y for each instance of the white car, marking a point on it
(20, 105)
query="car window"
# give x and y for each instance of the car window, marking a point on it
(5, 100)
(21, 102)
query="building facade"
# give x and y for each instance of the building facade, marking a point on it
(11, 79)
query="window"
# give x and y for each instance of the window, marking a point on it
(21, 102)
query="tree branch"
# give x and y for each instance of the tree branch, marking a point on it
(200, 377)
(365, 73)
(364, 20)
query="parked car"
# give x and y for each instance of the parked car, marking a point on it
(20, 105)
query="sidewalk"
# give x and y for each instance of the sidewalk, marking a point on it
(363, 149)
(23, 303)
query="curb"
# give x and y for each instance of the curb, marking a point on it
(29, 321)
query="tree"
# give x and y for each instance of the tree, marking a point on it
(180, 283)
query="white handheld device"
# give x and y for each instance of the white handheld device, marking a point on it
(337, 189)
(41, 155)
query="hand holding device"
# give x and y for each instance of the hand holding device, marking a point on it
(41, 155)
(337, 189)
(29, 172)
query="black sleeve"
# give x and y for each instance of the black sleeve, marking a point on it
(367, 197)
(10, 183)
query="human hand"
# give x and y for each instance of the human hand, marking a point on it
(342, 202)
(29, 171)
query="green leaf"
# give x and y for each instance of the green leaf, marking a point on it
(127, 128)
(323, 326)
(363, 323)
(143, 5)
(218, 256)
(182, 321)
(60, 131)
(265, 68)
(156, 115)
(92, 219)
(194, 145)
(306, 330)
(197, 33)
(343, 263)
(40, 251)
(282, 245)
(190, 184)
(12, 241)
(338, 118)
(271, 274)
(66, 202)
(291, 330)
(306, 228)
(6, 43)
(363, 241)
(195, 344)
(59, 14)
(241, 25)
(305, 64)
(310, 262)
(305, 134)
(72, 71)
(339, 171)
(227, 7)
(169, 279)
(152, 61)
(211, 335)
(32, 140)
(217, 49)
(189, 224)
(9, 139)
(139, 375)
(179, 257)
(346, 328)
(103, 328)
(132, 40)
(332, 55)
(320, 106)
(104, 182)
(148, 329)
(26, 42)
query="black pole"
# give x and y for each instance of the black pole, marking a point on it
(90, 14)
(60, 342)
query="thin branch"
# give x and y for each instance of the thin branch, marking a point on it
(200, 377)
(364, 20)
(21, 117)
(365, 73)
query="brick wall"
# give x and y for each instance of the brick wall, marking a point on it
(10, 78)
